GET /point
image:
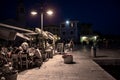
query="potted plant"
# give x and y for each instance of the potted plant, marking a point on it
(68, 58)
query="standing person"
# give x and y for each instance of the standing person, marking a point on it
(71, 44)
(93, 50)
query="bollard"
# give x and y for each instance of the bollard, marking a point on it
(93, 51)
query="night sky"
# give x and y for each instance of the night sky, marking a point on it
(103, 14)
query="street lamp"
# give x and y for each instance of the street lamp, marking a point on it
(34, 13)
(49, 12)
(67, 22)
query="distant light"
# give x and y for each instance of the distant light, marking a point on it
(50, 12)
(84, 38)
(34, 13)
(95, 37)
(67, 22)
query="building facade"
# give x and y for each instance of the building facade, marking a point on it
(69, 31)
(54, 29)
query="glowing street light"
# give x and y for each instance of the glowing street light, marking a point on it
(67, 22)
(49, 12)
(34, 13)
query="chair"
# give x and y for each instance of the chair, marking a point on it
(31, 61)
(15, 60)
(23, 60)
(49, 53)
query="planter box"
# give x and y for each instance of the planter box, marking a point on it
(68, 59)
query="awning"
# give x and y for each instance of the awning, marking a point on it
(15, 28)
(46, 34)
(7, 34)
(22, 36)
(30, 34)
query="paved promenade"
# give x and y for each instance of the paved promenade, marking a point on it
(83, 68)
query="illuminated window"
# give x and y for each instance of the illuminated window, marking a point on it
(71, 25)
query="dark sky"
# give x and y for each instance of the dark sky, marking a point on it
(103, 14)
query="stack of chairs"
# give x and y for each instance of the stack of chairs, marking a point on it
(24, 61)
(15, 60)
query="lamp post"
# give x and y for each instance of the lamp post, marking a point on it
(49, 12)
(41, 21)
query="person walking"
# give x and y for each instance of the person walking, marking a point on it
(71, 43)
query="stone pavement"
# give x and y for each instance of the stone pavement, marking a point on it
(83, 68)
